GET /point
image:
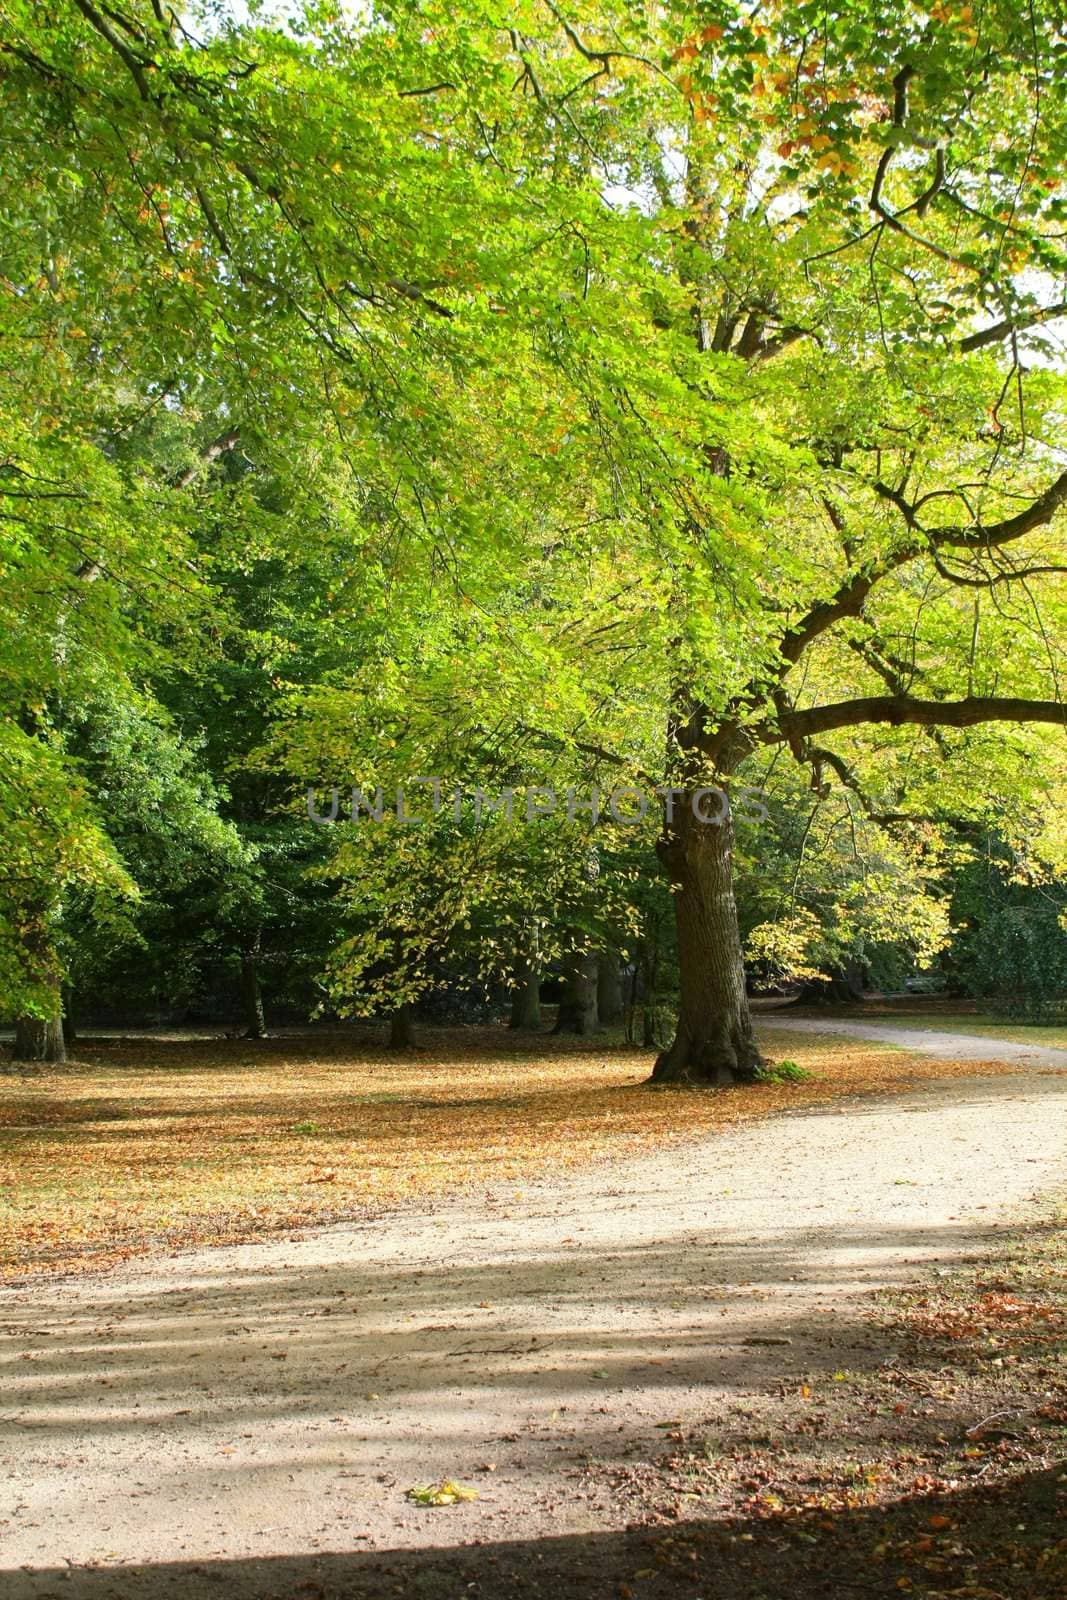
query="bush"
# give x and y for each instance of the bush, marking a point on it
(782, 1072)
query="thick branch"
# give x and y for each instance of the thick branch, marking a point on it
(769, 348)
(218, 447)
(981, 536)
(1010, 325)
(848, 600)
(135, 65)
(900, 709)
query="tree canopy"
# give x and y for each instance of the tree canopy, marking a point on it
(570, 393)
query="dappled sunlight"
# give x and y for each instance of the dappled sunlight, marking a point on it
(535, 1342)
(144, 1144)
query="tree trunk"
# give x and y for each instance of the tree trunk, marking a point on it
(714, 1041)
(630, 1011)
(577, 1008)
(649, 1024)
(40, 1038)
(70, 1031)
(526, 993)
(608, 987)
(252, 995)
(649, 977)
(402, 1029)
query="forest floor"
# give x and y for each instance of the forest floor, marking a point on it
(814, 1350)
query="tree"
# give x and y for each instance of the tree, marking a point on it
(1010, 941)
(74, 636)
(833, 901)
(860, 277)
(800, 418)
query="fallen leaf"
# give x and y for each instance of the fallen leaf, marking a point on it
(446, 1493)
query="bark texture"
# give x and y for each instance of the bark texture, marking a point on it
(526, 995)
(714, 1042)
(526, 983)
(402, 1029)
(40, 1038)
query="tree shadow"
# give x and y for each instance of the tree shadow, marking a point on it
(546, 1323)
(1007, 1542)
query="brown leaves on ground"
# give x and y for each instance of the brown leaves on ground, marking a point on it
(933, 1467)
(149, 1144)
(992, 1313)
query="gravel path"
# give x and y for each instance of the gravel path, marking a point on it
(281, 1397)
(930, 1041)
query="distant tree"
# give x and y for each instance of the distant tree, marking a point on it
(1010, 943)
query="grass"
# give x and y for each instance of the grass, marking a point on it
(149, 1145)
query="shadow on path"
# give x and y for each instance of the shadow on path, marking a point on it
(1009, 1543)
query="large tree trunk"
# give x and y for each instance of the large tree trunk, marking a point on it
(252, 995)
(577, 1007)
(714, 1042)
(608, 987)
(40, 1038)
(527, 983)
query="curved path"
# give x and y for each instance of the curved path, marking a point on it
(278, 1399)
(929, 1041)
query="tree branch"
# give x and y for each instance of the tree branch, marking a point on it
(885, 819)
(1010, 325)
(982, 536)
(134, 64)
(900, 709)
(849, 598)
(431, 88)
(847, 601)
(218, 447)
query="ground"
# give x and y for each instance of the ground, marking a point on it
(745, 1356)
(152, 1142)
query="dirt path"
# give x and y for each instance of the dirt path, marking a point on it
(278, 1399)
(931, 1041)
